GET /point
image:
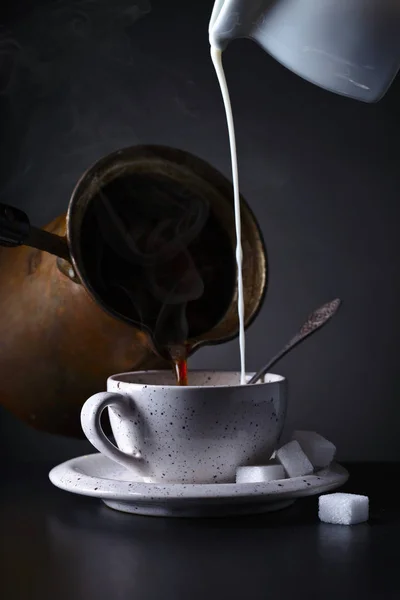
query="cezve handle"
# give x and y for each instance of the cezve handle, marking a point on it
(91, 425)
(14, 226)
(16, 230)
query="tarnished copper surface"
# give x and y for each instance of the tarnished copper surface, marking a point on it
(57, 346)
(58, 342)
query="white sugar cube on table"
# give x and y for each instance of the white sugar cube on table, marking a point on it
(343, 509)
(266, 473)
(319, 450)
(294, 460)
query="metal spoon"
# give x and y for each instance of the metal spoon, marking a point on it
(314, 322)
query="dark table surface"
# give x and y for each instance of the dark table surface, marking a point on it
(58, 545)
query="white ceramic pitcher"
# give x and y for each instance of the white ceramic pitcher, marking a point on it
(350, 47)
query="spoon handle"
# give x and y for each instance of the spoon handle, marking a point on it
(314, 322)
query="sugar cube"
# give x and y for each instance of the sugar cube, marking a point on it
(294, 460)
(319, 450)
(259, 474)
(343, 509)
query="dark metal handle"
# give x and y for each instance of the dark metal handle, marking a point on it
(14, 226)
(16, 230)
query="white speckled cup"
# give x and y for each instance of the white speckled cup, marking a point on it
(198, 433)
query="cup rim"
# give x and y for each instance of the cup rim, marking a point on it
(121, 378)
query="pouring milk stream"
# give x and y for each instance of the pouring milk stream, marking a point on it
(216, 56)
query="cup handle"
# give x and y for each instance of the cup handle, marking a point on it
(91, 424)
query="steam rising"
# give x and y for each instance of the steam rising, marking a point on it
(149, 225)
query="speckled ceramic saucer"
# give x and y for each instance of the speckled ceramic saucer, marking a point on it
(97, 476)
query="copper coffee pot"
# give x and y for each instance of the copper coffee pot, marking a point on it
(61, 337)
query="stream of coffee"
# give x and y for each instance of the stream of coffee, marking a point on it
(178, 355)
(181, 371)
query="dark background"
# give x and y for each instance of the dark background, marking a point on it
(82, 78)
